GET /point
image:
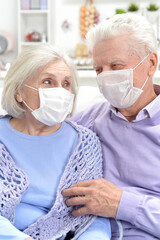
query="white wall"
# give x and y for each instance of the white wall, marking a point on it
(65, 10)
(69, 10)
(62, 10)
(8, 22)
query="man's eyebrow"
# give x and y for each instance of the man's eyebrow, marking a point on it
(95, 66)
(109, 62)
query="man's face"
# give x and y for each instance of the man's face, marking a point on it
(115, 54)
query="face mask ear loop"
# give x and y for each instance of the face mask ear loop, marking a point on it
(141, 61)
(31, 87)
(27, 106)
(144, 83)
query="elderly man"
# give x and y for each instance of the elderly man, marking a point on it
(128, 125)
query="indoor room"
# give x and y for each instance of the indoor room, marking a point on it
(79, 119)
(62, 23)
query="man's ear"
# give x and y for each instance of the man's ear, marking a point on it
(18, 97)
(153, 63)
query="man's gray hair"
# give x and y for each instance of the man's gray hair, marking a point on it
(141, 36)
(27, 63)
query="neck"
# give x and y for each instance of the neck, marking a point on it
(145, 98)
(29, 127)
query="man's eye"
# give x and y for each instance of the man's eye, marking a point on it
(98, 70)
(117, 66)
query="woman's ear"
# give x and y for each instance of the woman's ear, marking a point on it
(18, 97)
(153, 63)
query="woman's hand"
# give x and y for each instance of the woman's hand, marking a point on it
(98, 197)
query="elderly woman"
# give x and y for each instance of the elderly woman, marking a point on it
(41, 154)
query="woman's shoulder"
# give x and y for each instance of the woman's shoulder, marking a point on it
(4, 117)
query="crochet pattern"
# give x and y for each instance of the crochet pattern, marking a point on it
(13, 183)
(84, 164)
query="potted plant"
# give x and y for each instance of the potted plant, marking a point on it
(152, 12)
(120, 10)
(152, 7)
(133, 7)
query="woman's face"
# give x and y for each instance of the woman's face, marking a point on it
(54, 74)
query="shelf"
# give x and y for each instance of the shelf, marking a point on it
(30, 43)
(33, 20)
(34, 11)
(86, 74)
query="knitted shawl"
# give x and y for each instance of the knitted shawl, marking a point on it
(84, 164)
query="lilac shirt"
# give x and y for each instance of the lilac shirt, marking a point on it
(131, 152)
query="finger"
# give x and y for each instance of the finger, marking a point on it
(80, 212)
(86, 183)
(75, 201)
(74, 191)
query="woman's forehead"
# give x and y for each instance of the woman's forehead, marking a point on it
(57, 66)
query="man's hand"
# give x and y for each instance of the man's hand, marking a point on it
(98, 197)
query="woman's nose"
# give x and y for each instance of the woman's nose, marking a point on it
(59, 85)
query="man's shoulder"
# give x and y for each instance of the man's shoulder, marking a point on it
(95, 110)
(99, 107)
(88, 116)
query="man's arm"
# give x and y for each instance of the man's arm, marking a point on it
(98, 197)
(143, 211)
(9, 232)
(102, 198)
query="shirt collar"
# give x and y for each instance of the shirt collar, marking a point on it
(148, 111)
(153, 107)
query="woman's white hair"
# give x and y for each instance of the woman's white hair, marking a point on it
(141, 36)
(27, 63)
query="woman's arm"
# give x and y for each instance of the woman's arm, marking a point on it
(99, 230)
(9, 232)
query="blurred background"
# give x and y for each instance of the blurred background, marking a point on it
(63, 23)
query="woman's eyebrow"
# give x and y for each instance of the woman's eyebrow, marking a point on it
(54, 76)
(68, 77)
(49, 74)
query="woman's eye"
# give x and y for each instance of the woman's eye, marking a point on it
(47, 81)
(66, 84)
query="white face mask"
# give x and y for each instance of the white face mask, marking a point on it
(55, 105)
(117, 87)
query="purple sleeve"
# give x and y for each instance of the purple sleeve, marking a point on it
(140, 210)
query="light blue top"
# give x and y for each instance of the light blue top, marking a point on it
(131, 155)
(43, 159)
